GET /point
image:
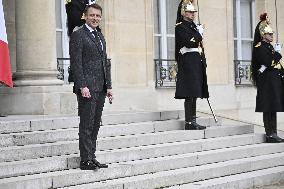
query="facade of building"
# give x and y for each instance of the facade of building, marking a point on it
(140, 44)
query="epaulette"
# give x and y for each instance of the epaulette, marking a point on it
(178, 23)
(67, 1)
(83, 16)
(258, 45)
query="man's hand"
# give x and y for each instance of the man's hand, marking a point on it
(85, 92)
(110, 95)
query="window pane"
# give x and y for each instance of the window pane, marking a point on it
(246, 19)
(58, 14)
(157, 17)
(59, 49)
(236, 50)
(158, 47)
(172, 6)
(246, 50)
(235, 19)
(171, 47)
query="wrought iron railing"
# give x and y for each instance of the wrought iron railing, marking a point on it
(63, 66)
(242, 73)
(166, 71)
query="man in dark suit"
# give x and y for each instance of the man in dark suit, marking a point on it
(92, 82)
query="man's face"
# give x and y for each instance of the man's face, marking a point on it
(188, 15)
(93, 17)
(268, 37)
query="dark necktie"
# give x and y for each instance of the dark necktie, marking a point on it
(98, 37)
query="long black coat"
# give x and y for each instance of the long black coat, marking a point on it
(74, 11)
(191, 76)
(270, 83)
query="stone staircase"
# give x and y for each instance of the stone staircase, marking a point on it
(144, 150)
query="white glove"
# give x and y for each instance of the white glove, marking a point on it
(200, 29)
(262, 69)
(278, 47)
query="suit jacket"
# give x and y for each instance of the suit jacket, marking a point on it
(88, 61)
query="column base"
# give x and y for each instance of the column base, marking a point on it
(38, 100)
(21, 83)
(36, 78)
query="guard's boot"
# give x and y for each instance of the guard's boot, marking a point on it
(266, 122)
(196, 126)
(192, 125)
(270, 125)
(273, 139)
(187, 113)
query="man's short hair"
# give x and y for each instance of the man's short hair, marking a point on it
(95, 6)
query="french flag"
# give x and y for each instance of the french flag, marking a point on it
(5, 66)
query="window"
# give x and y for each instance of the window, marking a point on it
(61, 30)
(165, 12)
(244, 11)
(62, 41)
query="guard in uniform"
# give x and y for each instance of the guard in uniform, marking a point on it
(267, 75)
(74, 11)
(191, 77)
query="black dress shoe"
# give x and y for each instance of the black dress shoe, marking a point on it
(98, 164)
(87, 165)
(274, 139)
(194, 126)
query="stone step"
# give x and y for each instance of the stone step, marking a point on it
(47, 136)
(69, 147)
(36, 123)
(15, 124)
(171, 177)
(253, 179)
(25, 167)
(109, 178)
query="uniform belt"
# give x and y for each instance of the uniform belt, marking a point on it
(184, 50)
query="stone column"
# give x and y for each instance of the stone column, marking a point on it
(36, 43)
(37, 89)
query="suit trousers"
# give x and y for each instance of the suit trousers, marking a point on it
(90, 113)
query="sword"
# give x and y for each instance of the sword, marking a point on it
(276, 21)
(212, 110)
(198, 12)
(203, 53)
(278, 46)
